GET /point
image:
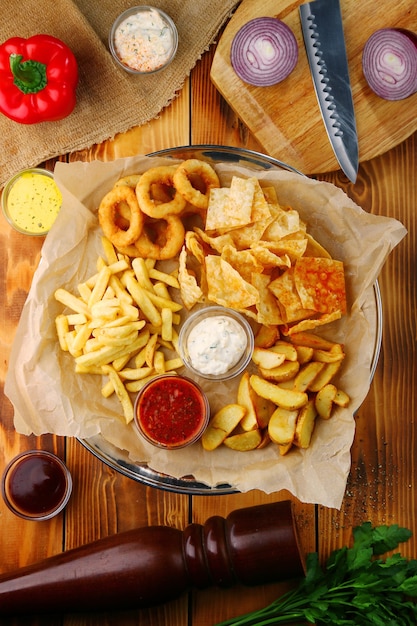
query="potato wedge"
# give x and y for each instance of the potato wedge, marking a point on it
(305, 425)
(286, 371)
(306, 375)
(264, 409)
(304, 354)
(341, 398)
(266, 336)
(283, 347)
(281, 427)
(246, 398)
(221, 425)
(324, 401)
(312, 341)
(285, 398)
(267, 359)
(244, 441)
(326, 375)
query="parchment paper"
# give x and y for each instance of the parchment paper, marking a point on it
(48, 397)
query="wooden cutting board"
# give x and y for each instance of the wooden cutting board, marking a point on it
(285, 118)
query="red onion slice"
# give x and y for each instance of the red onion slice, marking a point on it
(264, 51)
(389, 63)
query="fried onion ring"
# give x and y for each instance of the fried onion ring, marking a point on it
(109, 216)
(161, 175)
(161, 239)
(185, 181)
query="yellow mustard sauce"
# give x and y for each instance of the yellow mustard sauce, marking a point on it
(33, 203)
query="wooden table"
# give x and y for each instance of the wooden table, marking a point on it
(382, 482)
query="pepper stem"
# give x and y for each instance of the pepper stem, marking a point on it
(29, 76)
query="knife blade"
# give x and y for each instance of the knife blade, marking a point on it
(321, 22)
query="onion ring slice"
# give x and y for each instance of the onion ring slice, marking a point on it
(160, 175)
(183, 182)
(108, 215)
(161, 239)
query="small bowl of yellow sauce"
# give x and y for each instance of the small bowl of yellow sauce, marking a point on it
(143, 40)
(31, 201)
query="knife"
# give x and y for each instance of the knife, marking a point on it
(321, 22)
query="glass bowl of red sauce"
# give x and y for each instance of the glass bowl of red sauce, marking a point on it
(171, 411)
(36, 485)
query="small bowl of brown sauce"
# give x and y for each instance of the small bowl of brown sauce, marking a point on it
(36, 485)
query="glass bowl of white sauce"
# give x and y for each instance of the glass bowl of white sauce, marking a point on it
(216, 343)
(143, 40)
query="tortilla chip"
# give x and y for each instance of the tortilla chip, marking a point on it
(230, 208)
(313, 323)
(217, 243)
(226, 286)
(288, 298)
(194, 245)
(320, 283)
(269, 312)
(269, 259)
(283, 223)
(293, 248)
(260, 207)
(190, 291)
(243, 261)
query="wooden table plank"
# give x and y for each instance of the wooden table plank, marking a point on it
(382, 481)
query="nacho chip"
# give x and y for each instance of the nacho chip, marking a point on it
(194, 245)
(283, 223)
(218, 242)
(269, 312)
(260, 207)
(288, 298)
(320, 283)
(293, 248)
(243, 261)
(190, 291)
(269, 259)
(230, 208)
(311, 324)
(226, 286)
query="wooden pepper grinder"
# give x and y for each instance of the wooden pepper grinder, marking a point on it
(151, 565)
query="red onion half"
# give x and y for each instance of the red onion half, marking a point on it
(389, 63)
(264, 51)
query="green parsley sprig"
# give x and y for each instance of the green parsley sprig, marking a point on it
(356, 588)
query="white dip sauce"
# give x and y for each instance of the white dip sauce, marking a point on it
(216, 344)
(143, 41)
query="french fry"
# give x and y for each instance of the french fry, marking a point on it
(72, 302)
(121, 392)
(166, 331)
(287, 349)
(62, 328)
(169, 279)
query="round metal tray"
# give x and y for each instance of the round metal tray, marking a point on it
(118, 459)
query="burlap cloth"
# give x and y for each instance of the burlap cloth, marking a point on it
(109, 100)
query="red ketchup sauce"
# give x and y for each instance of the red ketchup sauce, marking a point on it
(36, 485)
(171, 411)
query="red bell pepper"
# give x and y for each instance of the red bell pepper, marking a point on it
(38, 79)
